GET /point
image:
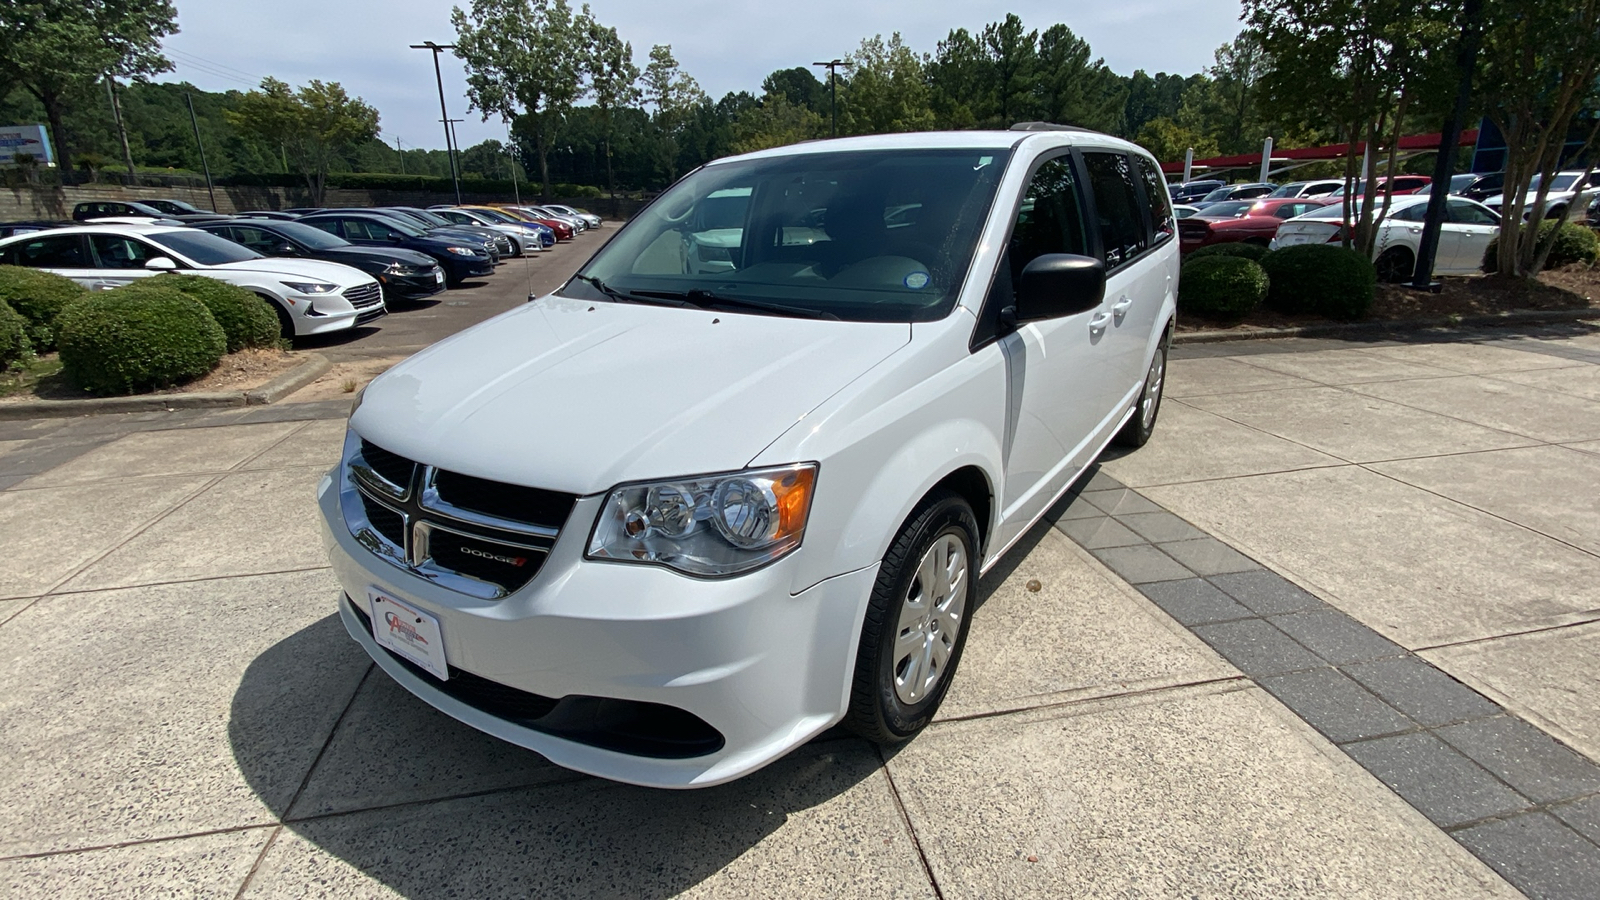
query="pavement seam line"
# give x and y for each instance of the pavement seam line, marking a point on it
(1152, 691)
(144, 584)
(905, 820)
(260, 858)
(1510, 634)
(137, 842)
(327, 742)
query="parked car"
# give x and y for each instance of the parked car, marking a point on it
(1297, 189)
(494, 243)
(404, 274)
(1463, 238)
(178, 208)
(1458, 183)
(562, 229)
(1403, 185)
(310, 296)
(459, 259)
(1191, 191)
(1236, 192)
(1484, 186)
(589, 219)
(523, 238)
(577, 222)
(279, 215)
(1564, 191)
(7, 229)
(93, 210)
(1236, 221)
(547, 235)
(676, 519)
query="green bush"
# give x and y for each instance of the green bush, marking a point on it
(1223, 287)
(13, 336)
(1240, 249)
(136, 339)
(1325, 279)
(246, 319)
(39, 297)
(1574, 243)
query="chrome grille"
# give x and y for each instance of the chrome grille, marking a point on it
(503, 244)
(482, 538)
(365, 295)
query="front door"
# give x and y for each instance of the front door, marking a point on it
(1134, 288)
(1472, 228)
(64, 254)
(121, 260)
(1057, 370)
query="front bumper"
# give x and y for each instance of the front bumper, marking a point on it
(411, 287)
(468, 267)
(765, 668)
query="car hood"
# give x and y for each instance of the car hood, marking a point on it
(303, 268)
(1529, 198)
(375, 255)
(579, 396)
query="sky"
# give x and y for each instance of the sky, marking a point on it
(727, 45)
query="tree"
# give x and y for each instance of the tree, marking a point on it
(1072, 90)
(799, 86)
(775, 123)
(58, 50)
(614, 80)
(1540, 61)
(318, 126)
(887, 90)
(1013, 56)
(1168, 141)
(958, 73)
(525, 62)
(675, 96)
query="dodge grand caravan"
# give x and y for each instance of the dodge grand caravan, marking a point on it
(736, 481)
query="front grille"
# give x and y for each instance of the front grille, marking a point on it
(652, 730)
(503, 244)
(483, 538)
(365, 295)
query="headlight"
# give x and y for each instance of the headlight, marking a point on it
(460, 251)
(310, 287)
(396, 268)
(709, 525)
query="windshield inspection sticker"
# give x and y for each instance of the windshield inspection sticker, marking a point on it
(917, 280)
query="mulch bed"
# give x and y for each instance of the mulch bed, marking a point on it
(1573, 287)
(237, 372)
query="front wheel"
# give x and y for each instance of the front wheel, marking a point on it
(916, 623)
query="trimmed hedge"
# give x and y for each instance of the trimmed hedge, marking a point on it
(1575, 243)
(1221, 286)
(384, 181)
(246, 319)
(1252, 252)
(13, 336)
(39, 297)
(1325, 279)
(138, 339)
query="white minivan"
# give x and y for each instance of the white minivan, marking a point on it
(735, 482)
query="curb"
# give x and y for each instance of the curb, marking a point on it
(1335, 329)
(309, 370)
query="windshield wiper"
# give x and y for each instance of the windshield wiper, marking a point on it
(612, 293)
(711, 300)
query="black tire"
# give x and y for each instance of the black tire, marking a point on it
(1396, 265)
(877, 711)
(285, 322)
(1136, 433)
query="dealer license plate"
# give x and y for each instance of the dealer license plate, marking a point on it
(438, 276)
(409, 632)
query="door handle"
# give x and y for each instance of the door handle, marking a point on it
(1121, 307)
(1097, 325)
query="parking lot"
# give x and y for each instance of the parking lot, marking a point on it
(1331, 633)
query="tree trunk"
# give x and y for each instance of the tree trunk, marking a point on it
(58, 133)
(544, 159)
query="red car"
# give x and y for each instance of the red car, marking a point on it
(1403, 184)
(563, 231)
(1251, 221)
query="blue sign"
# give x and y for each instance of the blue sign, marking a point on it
(28, 139)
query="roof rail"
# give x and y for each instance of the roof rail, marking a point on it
(1047, 126)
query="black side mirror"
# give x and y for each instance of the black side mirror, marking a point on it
(1056, 285)
(285, 249)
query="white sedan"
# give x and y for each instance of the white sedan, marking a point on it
(1468, 228)
(310, 296)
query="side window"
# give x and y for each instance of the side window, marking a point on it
(64, 252)
(1155, 188)
(1465, 213)
(117, 252)
(354, 229)
(378, 231)
(1117, 208)
(1050, 219)
(1415, 213)
(331, 226)
(254, 238)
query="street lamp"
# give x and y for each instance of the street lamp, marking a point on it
(449, 142)
(833, 93)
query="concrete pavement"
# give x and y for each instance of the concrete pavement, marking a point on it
(1169, 691)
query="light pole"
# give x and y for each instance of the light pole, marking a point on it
(449, 142)
(833, 92)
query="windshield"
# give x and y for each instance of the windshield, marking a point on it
(498, 218)
(864, 235)
(315, 238)
(1289, 190)
(204, 247)
(1220, 193)
(1230, 209)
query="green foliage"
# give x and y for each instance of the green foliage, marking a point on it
(13, 336)
(316, 126)
(887, 90)
(1222, 287)
(39, 297)
(1573, 243)
(775, 123)
(1325, 279)
(1253, 252)
(246, 319)
(126, 340)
